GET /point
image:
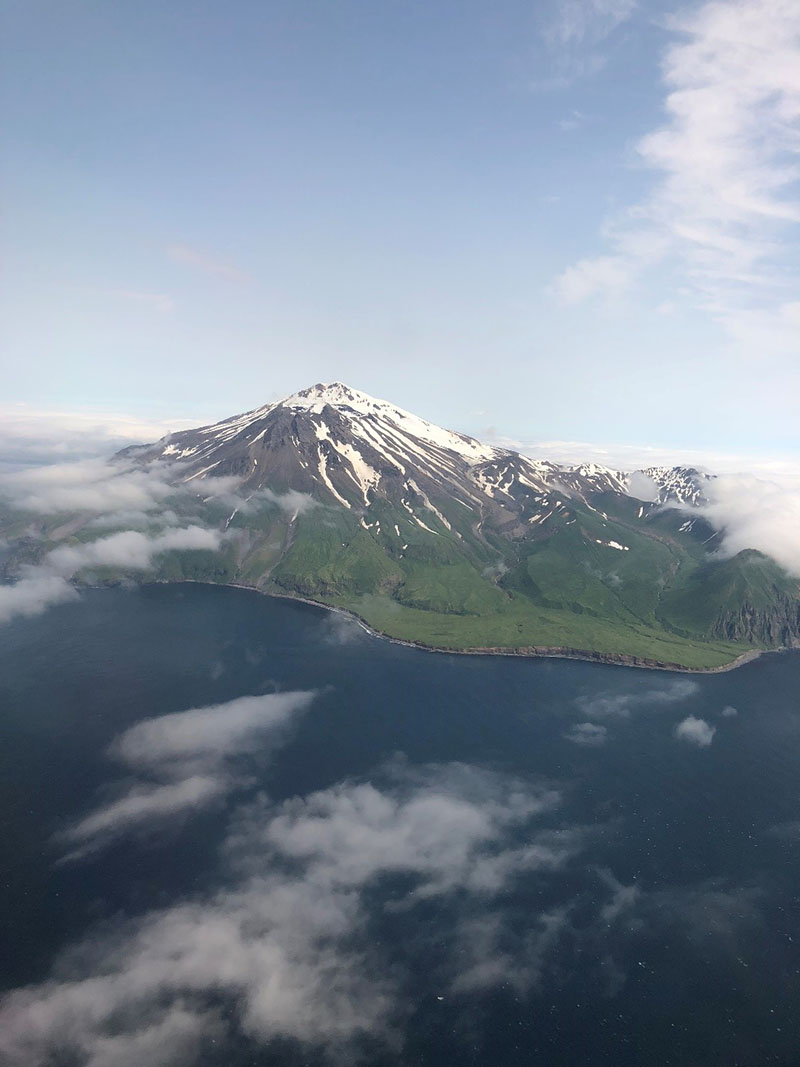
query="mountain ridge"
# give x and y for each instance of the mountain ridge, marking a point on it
(432, 537)
(371, 438)
(445, 526)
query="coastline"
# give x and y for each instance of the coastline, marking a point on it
(619, 659)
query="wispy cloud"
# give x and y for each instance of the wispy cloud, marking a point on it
(203, 737)
(623, 897)
(609, 276)
(724, 210)
(573, 121)
(576, 34)
(188, 256)
(617, 705)
(160, 302)
(185, 761)
(492, 957)
(587, 733)
(146, 804)
(293, 503)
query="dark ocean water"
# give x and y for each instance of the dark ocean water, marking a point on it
(653, 919)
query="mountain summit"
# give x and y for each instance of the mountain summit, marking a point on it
(341, 445)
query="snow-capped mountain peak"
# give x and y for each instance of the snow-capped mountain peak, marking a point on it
(345, 447)
(317, 397)
(351, 403)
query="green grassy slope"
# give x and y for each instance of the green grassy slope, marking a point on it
(595, 578)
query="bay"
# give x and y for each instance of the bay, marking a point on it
(608, 890)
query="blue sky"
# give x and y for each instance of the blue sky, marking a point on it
(572, 220)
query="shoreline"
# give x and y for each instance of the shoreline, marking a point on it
(619, 659)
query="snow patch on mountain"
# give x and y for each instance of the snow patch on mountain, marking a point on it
(351, 402)
(674, 485)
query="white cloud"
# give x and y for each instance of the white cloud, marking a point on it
(620, 705)
(47, 582)
(695, 731)
(754, 500)
(31, 596)
(757, 513)
(576, 34)
(206, 262)
(789, 831)
(134, 520)
(582, 20)
(708, 911)
(91, 493)
(148, 803)
(339, 629)
(292, 502)
(444, 829)
(724, 209)
(285, 944)
(574, 121)
(729, 712)
(489, 958)
(89, 485)
(207, 734)
(186, 760)
(623, 897)
(606, 277)
(643, 487)
(34, 436)
(587, 733)
(128, 549)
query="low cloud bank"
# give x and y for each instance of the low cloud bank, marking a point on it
(33, 595)
(30, 437)
(47, 583)
(97, 495)
(750, 511)
(127, 549)
(283, 948)
(757, 513)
